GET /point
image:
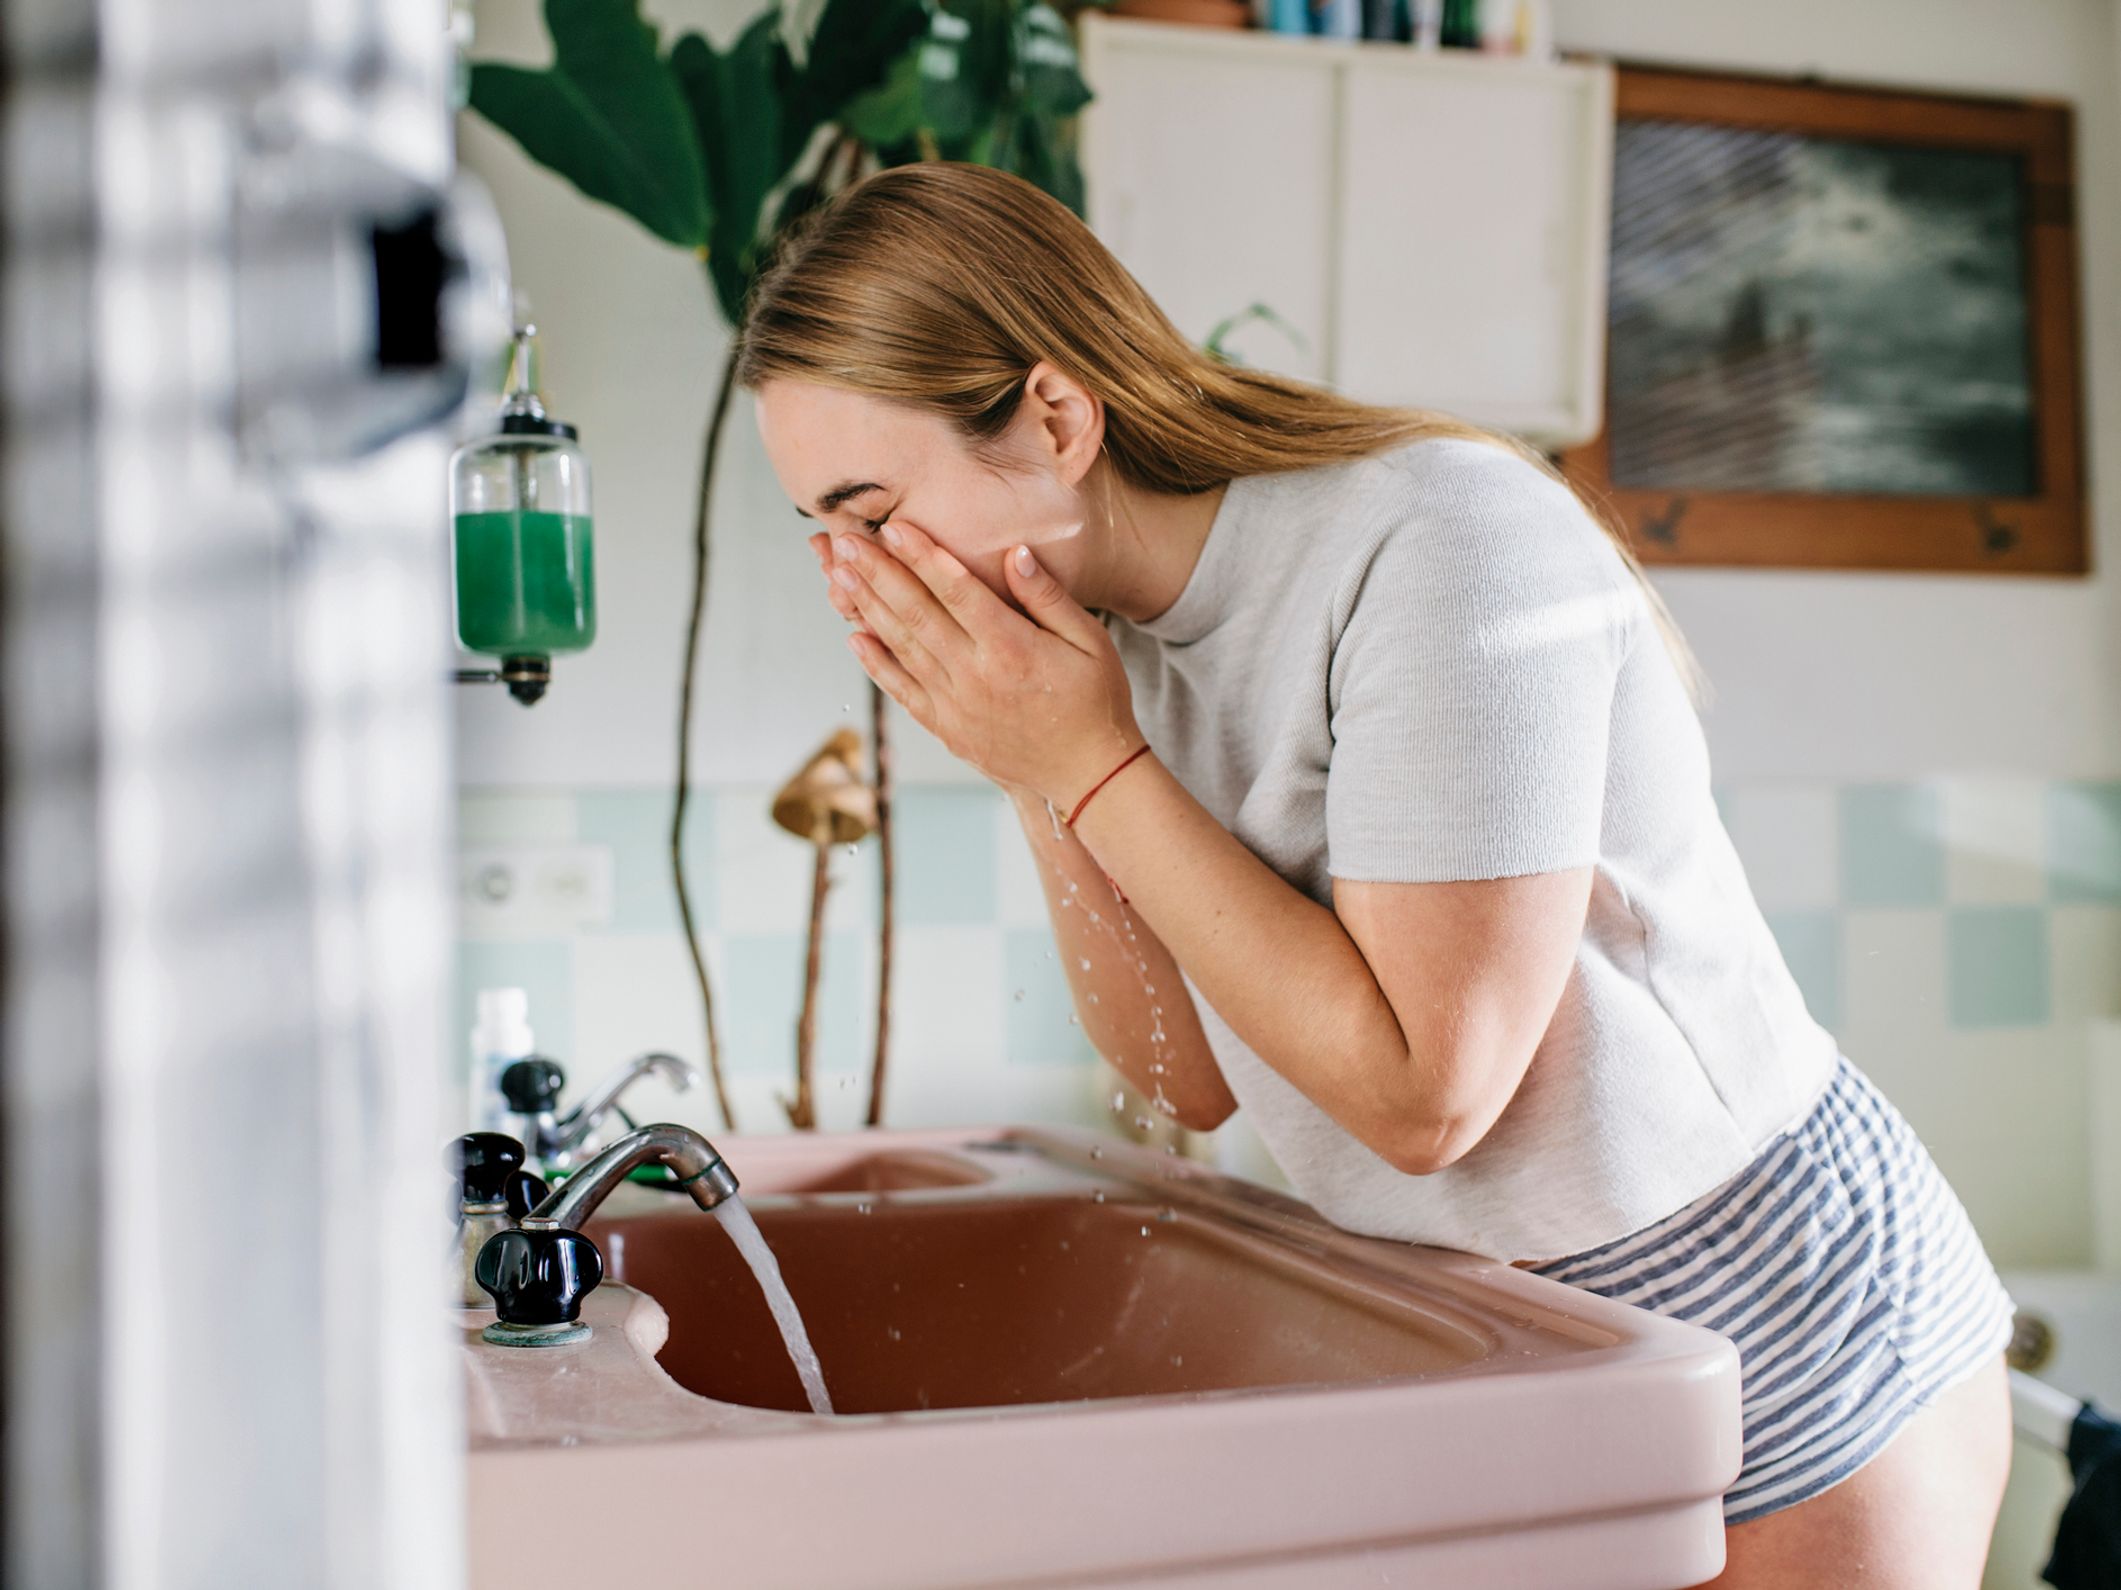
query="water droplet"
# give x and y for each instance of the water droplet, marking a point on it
(1083, 961)
(1018, 996)
(1097, 1153)
(1167, 1215)
(1145, 1231)
(1147, 988)
(1072, 1021)
(846, 706)
(1072, 886)
(863, 1208)
(1177, 1359)
(1098, 1196)
(1142, 1123)
(1095, 919)
(1093, 999)
(1119, 1102)
(1156, 1069)
(894, 1333)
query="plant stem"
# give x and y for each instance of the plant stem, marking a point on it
(802, 1113)
(880, 740)
(709, 453)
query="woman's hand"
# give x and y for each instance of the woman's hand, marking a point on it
(1038, 703)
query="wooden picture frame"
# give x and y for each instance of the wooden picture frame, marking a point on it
(2027, 513)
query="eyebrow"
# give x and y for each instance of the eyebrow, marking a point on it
(830, 500)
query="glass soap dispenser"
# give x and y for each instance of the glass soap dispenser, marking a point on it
(520, 523)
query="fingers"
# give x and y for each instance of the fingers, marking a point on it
(1048, 603)
(977, 609)
(894, 602)
(892, 679)
(915, 634)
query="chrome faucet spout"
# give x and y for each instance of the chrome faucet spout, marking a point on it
(585, 1117)
(700, 1169)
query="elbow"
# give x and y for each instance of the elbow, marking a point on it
(1429, 1143)
(1426, 1134)
(1205, 1117)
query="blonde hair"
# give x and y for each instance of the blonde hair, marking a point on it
(939, 284)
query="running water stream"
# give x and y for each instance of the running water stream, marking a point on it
(744, 1232)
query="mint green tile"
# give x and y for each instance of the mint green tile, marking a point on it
(1997, 962)
(635, 825)
(543, 968)
(945, 855)
(1811, 948)
(762, 992)
(1040, 1003)
(2084, 842)
(1891, 850)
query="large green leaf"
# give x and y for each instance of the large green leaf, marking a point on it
(856, 46)
(606, 115)
(737, 105)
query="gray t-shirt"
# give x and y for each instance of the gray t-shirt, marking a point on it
(1428, 665)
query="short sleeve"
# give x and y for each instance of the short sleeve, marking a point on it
(1472, 683)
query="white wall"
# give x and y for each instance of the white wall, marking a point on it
(1836, 676)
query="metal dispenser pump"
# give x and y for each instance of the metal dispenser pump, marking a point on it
(520, 523)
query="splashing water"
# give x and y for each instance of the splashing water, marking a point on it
(744, 1232)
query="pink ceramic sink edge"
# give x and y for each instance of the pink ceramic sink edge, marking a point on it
(1574, 1443)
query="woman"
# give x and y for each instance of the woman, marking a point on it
(1354, 725)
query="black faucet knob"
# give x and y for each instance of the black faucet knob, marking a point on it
(483, 1162)
(532, 1086)
(539, 1277)
(523, 1193)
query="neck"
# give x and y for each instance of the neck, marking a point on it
(1144, 551)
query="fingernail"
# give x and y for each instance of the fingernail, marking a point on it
(891, 536)
(1025, 562)
(843, 548)
(845, 576)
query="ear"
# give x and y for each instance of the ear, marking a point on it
(1069, 419)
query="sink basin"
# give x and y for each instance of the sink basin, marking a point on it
(1057, 1360)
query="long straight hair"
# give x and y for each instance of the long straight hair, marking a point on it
(938, 285)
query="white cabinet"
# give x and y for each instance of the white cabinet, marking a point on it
(1431, 224)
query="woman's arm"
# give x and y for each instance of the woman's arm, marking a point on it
(1410, 1018)
(1128, 995)
(1409, 1013)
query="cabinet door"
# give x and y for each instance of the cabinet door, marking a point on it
(1470, 269)
(1210, 176)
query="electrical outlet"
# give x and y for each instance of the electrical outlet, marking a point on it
(532, 891)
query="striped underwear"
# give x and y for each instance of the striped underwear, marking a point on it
(1846, 1272)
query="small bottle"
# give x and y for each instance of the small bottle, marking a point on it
(1460, 29)
(499, 1038)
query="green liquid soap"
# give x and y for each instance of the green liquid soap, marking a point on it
(526, 583)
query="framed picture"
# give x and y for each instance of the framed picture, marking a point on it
(1841, 329)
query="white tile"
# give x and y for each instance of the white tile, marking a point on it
(946, 998)
(2084, 961)
(513, 817)
(634, 992)
(1995, 839)
(1020, 900)
(1892, 977)
(1788, 836)
(762, 873)
(2102, 1132)
(2003, 1114)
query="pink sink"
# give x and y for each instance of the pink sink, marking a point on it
(1058, 1361)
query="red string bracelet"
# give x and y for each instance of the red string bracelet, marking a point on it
(1101, 783)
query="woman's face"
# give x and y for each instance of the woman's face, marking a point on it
(849, 462)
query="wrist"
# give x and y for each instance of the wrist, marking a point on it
(1098, 788)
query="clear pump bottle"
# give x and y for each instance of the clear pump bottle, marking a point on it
(519, 506)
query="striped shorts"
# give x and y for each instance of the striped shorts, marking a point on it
(1848, 1276)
